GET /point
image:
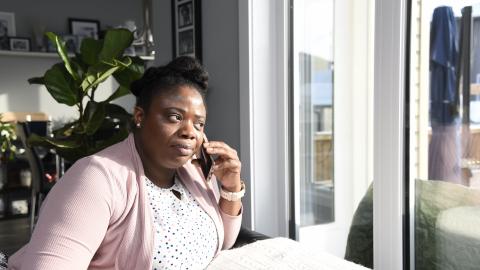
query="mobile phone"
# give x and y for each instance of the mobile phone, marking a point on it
(206, 162)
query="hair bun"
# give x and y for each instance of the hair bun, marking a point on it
(180, 70)
(147, 78)
(191, 69)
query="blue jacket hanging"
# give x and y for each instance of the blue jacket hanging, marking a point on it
(444, 99)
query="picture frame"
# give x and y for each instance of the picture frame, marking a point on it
(84, 27)
(7, 29)
(186, 28)
(71, 43)
(21, 44)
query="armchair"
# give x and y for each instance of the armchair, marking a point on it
(247, 236)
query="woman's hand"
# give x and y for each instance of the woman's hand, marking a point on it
(227, 166)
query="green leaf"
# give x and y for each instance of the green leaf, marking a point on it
(120, 92)
(73, 154)
(133, 72)
(119, 135)
(118, 115)
(94, 115)
(96, 75)
(60, 85)
(36, 140)
(66, 130)
(116, 111)
(115, 43)
(62, 52)
(119, 63)
(90, 50)
(36, 80)
(79, 67)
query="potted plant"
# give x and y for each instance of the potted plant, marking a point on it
(74, 82)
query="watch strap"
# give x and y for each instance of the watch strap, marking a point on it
(233, 196)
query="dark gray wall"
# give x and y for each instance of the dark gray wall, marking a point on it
(54, 14)
(220, 58)
(219, 38)
(220, 54)
(162, 31)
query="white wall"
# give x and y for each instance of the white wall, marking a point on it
(17, 95)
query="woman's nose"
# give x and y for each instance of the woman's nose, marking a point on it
(188, 130)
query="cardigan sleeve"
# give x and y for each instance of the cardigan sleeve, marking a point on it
(73, 221)
(231, 224)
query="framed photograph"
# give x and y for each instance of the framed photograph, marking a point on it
(186, 22)
(185, 14)
(7, 28)
(71, 43)
(20, 44)
(83, 27)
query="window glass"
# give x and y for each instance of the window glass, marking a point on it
(313, 37)
(447, 182)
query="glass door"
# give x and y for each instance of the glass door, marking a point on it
(314, 59)
(330, 118)
(445, 149)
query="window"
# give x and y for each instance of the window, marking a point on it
(313, 49)
(445, 147)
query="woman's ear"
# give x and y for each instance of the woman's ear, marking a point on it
(138, 115)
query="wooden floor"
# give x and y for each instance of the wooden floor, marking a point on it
(14, 233)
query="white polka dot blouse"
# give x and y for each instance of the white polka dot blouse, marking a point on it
(185, 235)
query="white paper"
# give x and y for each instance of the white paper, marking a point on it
(279, 254)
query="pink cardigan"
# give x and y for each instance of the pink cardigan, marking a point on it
(96, 216)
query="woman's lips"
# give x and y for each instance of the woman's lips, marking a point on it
(183, 149)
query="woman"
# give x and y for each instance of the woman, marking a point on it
(144, 203)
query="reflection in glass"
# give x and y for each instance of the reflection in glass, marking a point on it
(314, 40)
(447, 205)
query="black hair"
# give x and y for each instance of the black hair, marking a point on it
(181, 71)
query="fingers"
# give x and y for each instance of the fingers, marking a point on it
(231, 165)
(221, 149)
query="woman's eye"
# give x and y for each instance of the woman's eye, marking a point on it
(175, 117)
(199, 125)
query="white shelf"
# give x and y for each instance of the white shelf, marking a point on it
(49, 54)
(29, 54)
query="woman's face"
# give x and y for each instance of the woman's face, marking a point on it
(172, 129)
